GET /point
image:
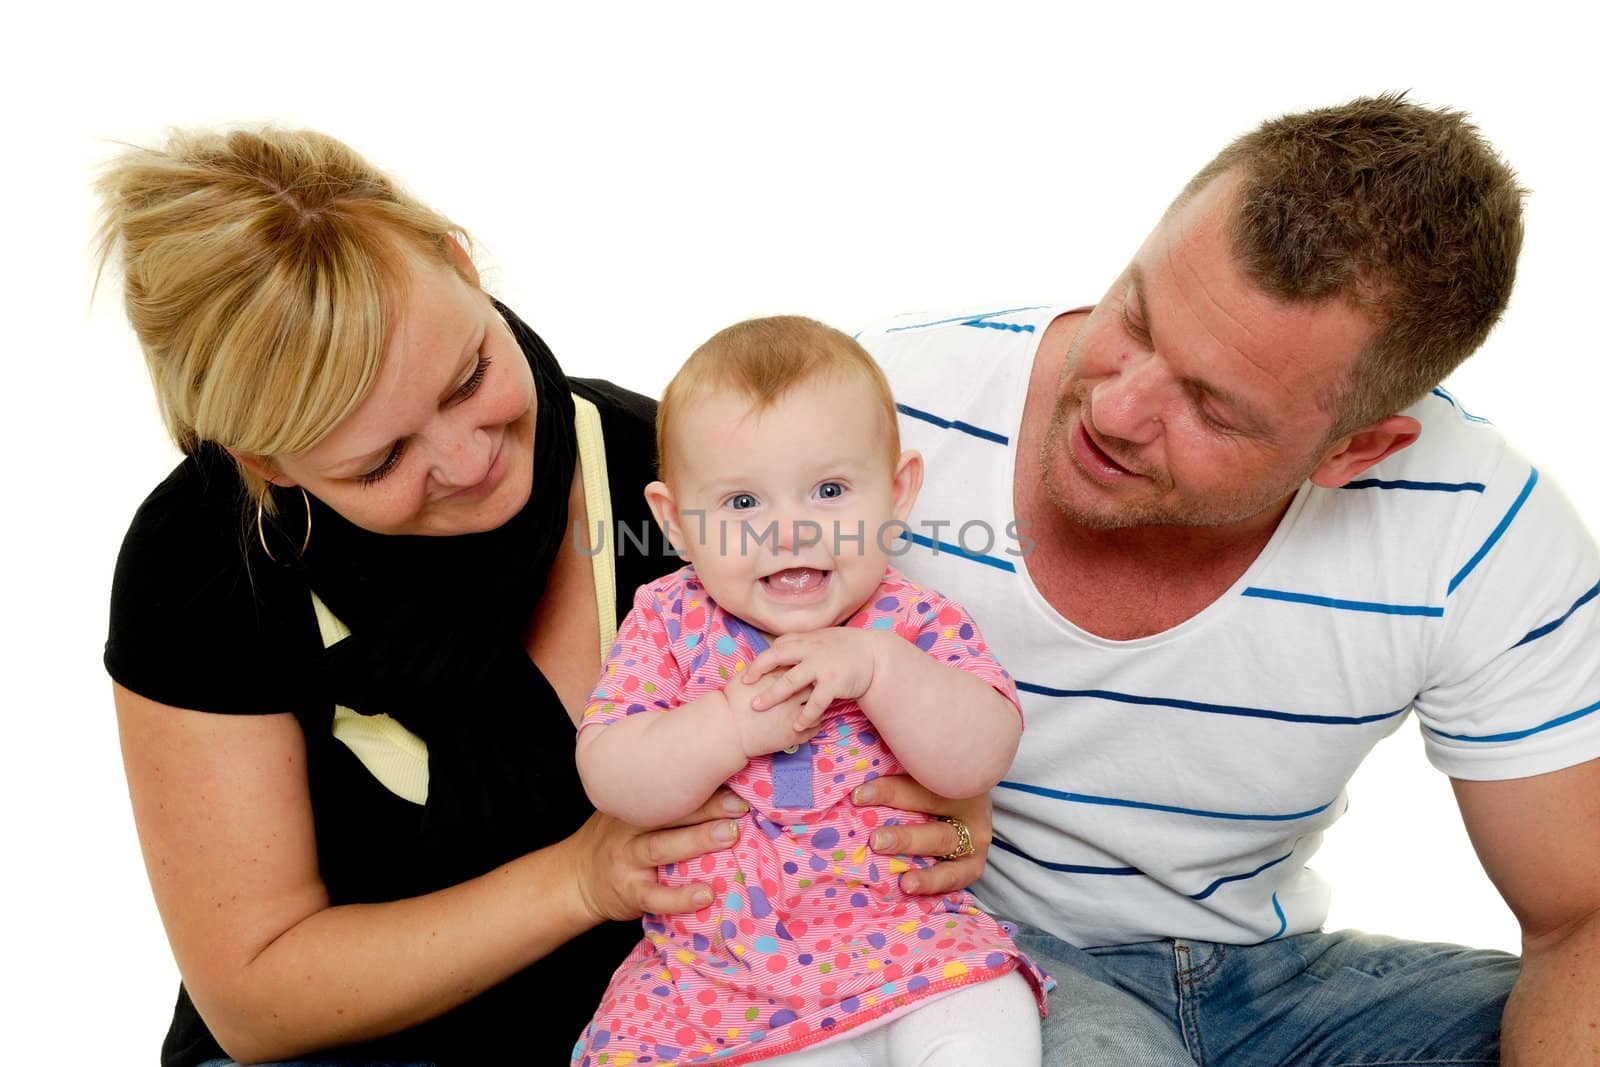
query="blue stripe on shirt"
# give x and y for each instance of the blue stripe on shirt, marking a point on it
(1212, 888)
(1283, 923)
(1014, 327)
(1145, 805)
(1505, 522)
(1517, 735)
(1211, 709)
(964, 319)
(953, 424)
(1426, 487)
(1439, 391)
(1342, 605)
(1064, 868)
(957, 550)
(1539, 631)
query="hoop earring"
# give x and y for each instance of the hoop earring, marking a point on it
(261, 535)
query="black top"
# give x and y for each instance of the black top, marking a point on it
(201, 619)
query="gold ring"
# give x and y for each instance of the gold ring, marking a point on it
(963, 847)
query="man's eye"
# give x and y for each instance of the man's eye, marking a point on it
(1211, 420)
(1135, 329)
(742, 501)
(830, 490)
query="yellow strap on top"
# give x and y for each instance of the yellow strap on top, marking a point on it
(597, 498)
(394, 755)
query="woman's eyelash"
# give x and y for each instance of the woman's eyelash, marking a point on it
(470, 386)
(390, 462)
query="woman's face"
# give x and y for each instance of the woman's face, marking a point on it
(444, 442)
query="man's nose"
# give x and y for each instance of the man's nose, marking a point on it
(1128, 403)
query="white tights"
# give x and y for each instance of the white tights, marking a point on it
(995, 1022)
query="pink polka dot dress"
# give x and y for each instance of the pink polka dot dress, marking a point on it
(808, 935)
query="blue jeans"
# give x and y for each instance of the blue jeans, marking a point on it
(1343, 999)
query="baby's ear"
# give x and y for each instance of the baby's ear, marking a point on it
(665, 508)
(907, 483)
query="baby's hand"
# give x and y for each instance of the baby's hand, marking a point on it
(836, 664)
(772, 728)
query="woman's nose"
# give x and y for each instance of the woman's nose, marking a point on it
(462, 458)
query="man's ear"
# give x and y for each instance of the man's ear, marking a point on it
(460, 260)
(907, 483)
(665, 508)
(1354, 453)
(264, 467)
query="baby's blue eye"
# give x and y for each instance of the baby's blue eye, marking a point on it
(830, 490)
(741, 501)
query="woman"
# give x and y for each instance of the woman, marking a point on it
(351, 632)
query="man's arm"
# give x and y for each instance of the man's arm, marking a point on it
(1539, 841)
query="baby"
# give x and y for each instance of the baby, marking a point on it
(790, 661)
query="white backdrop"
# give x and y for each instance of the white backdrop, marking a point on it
(638, 176)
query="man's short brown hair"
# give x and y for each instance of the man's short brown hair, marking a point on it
(1402, 210)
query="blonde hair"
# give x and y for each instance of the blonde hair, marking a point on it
(261, 271)
(763, 359)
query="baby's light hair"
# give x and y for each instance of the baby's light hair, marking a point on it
(763, 359)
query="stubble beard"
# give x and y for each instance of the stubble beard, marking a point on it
(1225, 509)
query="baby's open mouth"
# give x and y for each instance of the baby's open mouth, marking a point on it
(795, 580)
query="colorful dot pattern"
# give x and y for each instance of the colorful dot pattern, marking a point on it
(808, 934)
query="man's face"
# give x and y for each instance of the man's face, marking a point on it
(1189, 397)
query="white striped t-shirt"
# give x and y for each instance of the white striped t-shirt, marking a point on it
(1176, 785)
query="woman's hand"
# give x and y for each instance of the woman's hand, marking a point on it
(935, 838)
(617, 862)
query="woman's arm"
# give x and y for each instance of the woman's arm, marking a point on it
(224, 818)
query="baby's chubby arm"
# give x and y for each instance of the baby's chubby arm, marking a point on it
(656, 766)
(951, 730)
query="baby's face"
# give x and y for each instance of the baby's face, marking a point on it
(788, 513)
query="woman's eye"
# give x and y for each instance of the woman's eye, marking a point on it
(830, 491)
(390, 462)
(741, 501)
(470, 386)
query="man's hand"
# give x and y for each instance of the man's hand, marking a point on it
(936, 838)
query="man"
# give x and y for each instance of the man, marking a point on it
(1250, 535)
